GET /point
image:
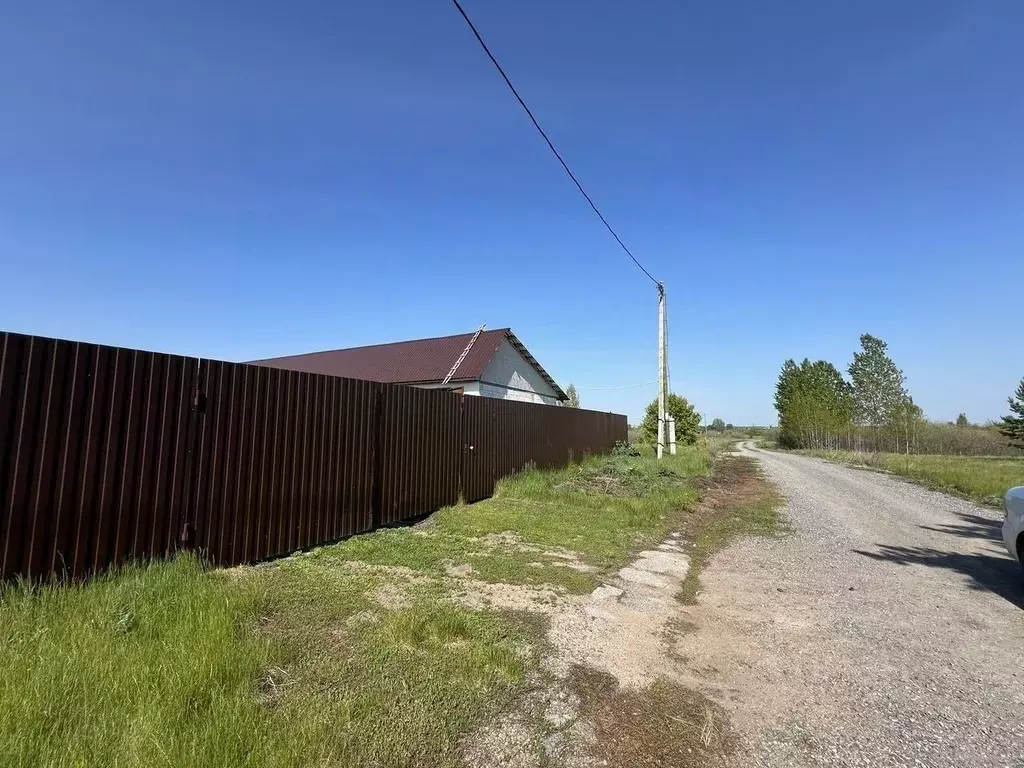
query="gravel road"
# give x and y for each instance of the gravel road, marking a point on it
(886, 630)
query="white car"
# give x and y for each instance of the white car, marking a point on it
(1013, 526)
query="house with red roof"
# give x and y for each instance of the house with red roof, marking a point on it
(485, 363)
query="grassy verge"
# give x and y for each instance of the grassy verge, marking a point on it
(738, 502)
(982, 479)
(603, 509)
(666, 723)
(356, 654)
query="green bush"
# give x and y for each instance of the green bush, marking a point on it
(680, 409)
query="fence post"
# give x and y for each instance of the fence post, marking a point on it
(460, 428)
(377, 459)
(193, 437)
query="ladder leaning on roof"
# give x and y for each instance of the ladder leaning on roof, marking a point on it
(463, 355)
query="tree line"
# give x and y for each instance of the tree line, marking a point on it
(873, 410)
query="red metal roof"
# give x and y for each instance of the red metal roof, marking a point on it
(420, 361)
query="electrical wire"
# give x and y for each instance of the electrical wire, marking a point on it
(608, 389)
(551, 146)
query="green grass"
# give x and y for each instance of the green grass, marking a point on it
(429, 551)
(603, 509)
(298, 662)
(145, 668)
(363, 686)
(980, 478)
(173, 665)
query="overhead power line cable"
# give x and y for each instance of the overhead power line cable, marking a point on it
(609, 389)
(551, 146)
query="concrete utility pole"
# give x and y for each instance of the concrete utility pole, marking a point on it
(670, 420)
(662, 373)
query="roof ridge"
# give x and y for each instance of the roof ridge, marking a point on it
(415, 360)
(384, 344)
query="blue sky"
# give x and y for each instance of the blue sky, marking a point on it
(241, 180)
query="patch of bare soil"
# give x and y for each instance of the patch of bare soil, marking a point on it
(536, 731)
(511, 542)
(506, 541)
(664, 724)
(401, 572)
(458, 570)
(392, 597)
(482, 595)
(618, 633)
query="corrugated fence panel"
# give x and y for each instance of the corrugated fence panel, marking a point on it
(421, 448)
(109, 455)
(91, 454)
(502, 437)
(282, 461)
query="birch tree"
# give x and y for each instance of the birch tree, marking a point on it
(878, 385)
(573, 397)
(815, 405)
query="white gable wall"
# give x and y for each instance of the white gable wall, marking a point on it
(510, 377)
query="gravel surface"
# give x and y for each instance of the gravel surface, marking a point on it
(885, 630)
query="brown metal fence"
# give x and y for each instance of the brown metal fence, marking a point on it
(109, 455)
(502, 436)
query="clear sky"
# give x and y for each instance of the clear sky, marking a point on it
(241, 180)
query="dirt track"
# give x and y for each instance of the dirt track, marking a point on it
(885, 630)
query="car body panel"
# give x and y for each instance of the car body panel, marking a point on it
(1013, 525)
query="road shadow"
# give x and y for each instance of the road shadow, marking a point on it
(990, 573)
(971, 526)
